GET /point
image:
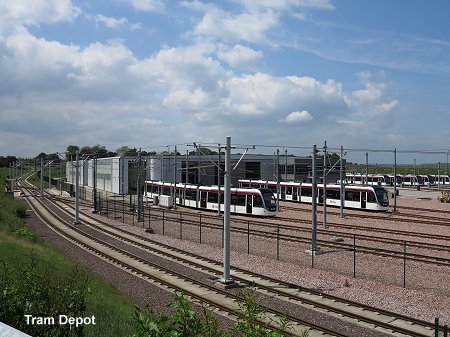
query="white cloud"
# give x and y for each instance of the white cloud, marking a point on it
(188, 100)
(241, 57)
(34, 12)
(371, 100)
(221, 25)
(36, 64)
(297, 116)
(285, 4)
(186, 68)
(73, 90)
(262, 94)
(114, 23)
(148, 5)
(151, 122)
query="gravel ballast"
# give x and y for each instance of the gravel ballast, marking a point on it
(426, 296)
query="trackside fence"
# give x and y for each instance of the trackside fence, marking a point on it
(389, 262)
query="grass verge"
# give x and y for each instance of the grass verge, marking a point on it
(113, 312)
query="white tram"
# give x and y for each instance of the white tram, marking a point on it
(442, 179)
(363, 179)
(412, 180)
(427, 179)
(255, 201)
(373, 198)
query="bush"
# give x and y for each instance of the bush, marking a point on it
(20, 211)
(186, 322)
(38, 291)
(183, 322)
(12, 213)
(248, 326)
(25, 232)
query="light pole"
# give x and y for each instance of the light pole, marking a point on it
(447, 162)
(325, 185)
(226, 279)
(77, 190)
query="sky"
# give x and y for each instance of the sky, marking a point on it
(150, 74)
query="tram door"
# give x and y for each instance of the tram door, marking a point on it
(203, 197)
(363, 200)
(320, 196)
(180, 195)
(249, 204)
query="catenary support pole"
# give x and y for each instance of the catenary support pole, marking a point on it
(314, 249)
(395, 180)
(218, 183)
(341, 177)
(139, 188)
(175, 178)
(42, 178)
(325, 185)
(77, 188)
(285, 165)
(278, 179)
(199, 179)
(367, 168)
(187, 167)
(226, 279)
(49, 175)
(95, 185)
(439, 176)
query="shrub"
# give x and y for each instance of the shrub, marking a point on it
(25, 232)
(186, 322)
(37, 290)
(183, 322)
(20, 211)
(251, 312)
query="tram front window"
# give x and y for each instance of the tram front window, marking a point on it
(269, 198)
(382, 196)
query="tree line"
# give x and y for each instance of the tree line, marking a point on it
(99, 151)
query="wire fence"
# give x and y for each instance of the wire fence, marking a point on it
(351, 257)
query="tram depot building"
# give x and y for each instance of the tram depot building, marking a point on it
(120, 174)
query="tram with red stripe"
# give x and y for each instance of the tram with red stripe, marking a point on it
(250, 201)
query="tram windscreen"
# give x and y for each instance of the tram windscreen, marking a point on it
(269, 198)
(381, 196)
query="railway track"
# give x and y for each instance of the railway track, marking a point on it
(390, 216)
(283, 220)
(242, 226)
(155, 273)
(367, 317)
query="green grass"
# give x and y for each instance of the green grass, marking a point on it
(35, 179)
(113, 311)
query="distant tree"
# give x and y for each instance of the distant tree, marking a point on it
(7, 161)
(132, 152)
(148, 154)
(102, 152)
(54, 157)
(86, 150)
(334, 156)
(41, 155)
(71, 150)
(126, 151)
(121, 151)
(204, 151)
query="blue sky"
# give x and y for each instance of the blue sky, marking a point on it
(144, 73)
